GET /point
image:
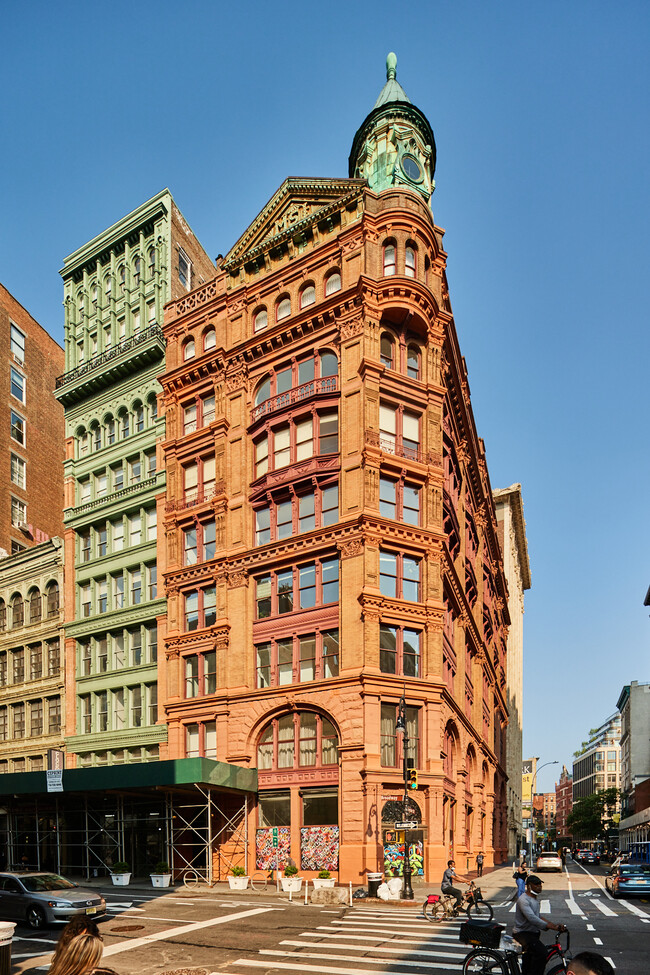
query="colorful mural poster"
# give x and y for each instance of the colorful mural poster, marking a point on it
(394, 858)
(319, 848)
(266, 855)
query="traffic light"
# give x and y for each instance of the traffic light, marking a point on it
(412, 778)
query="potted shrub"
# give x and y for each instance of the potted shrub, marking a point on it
(291, 883)
(120, 873)
(324, 879)
(161, 874)
(238, 879)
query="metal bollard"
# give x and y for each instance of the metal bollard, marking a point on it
(6, 936)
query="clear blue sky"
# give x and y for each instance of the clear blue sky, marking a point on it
(540, 113)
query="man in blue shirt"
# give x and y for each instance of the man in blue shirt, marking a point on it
(529, 925)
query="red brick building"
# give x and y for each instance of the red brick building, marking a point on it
(330, 539)
(31, 431)
(563, 802)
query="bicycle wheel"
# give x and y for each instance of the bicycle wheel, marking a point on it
(432, 912)
(556, 969)
(191, 879)
(480, 911)
(259, 880)
(485, 961)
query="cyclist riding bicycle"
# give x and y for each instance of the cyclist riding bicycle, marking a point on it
(447, 884)
(528, 927)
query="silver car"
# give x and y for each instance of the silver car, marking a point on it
(45, 898)
(549, 860)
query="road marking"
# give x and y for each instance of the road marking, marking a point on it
(458, 955)
(545, 907)
(123, 904)
(590, 927)
(183, 929)
(634, 909)
(345, 971)
(598, 941)
(603, 908)
(376, 937)
(324, 969)
(574, 908)
(152, 917)
(610, 961)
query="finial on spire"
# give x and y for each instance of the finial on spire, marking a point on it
(391, 67)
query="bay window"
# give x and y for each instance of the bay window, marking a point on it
(300, 587)
(297, 658)
(301, 512)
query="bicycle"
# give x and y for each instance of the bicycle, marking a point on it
(504, 958)
(438, 907)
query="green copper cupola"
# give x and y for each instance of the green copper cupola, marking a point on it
(394, 146)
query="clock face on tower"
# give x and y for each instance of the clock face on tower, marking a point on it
(411, 168)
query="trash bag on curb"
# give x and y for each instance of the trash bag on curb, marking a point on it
(360, 893)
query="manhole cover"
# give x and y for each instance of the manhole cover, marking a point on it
(126, 927)
(187, 971)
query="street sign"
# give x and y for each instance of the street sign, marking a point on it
(274, 834)
(406, 825)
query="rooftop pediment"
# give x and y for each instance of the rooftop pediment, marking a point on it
(298, 204)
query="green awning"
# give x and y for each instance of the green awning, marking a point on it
(182, 772)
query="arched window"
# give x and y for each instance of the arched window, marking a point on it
(387, 350)
(261, 320)
(121, 277)
(263, 391)
(307, 296)
(108, 288)
(3, 615)
(17, 610)
(283, 309)
(329, 364)
(449, 749)
(34, 605)
(138, 417)
(109, 424)
(152, 403)
(83, 442)
(125, 424)
(189, 350)
(52, 598)
(410, 261)
(295, 741)
(413, 362)
(96, 436)
(93, 293)
(136, 271)
(80, 308)
(389, 259)
(152, 261)
(333, 283)
(209, 339)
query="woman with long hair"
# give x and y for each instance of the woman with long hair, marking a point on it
(79, 955)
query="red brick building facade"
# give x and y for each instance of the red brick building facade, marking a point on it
(563, 802)
(329, 534)
(31, 431)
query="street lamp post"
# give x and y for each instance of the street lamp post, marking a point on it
(400, 729)
(532, 803)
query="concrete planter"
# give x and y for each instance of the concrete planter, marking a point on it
(238, 883)
(121, 879)
(160, 879)
(291, 885)
(320, 882)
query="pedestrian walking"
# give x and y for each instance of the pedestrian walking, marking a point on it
(479, 864)
(519, 876)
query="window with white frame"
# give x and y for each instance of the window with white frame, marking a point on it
(261, 320)
(390, 259)
(17, 428)
(285, 517)
(184, 269)
(18, 512)
(333, 283)
(17, 385)
(297, 658)
(18, 471)
(307, 296)
(299, 587)
(17, 343)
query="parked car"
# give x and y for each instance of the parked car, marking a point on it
(628, 878)
(45, 898)
(588, 856)
(549, 860)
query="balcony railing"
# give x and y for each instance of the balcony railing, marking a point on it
(396, 446)
(107, 499)
(315, 387)
(154, 331)
(200, 496)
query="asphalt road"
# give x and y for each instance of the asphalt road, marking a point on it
(215, 931)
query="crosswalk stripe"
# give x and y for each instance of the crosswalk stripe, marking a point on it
(327, 969)
(545, 906)
(603, 908)
(398, 928)
(317, 956)
(634, 909)
(574, 907)
(442, 941)
(460, 954)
